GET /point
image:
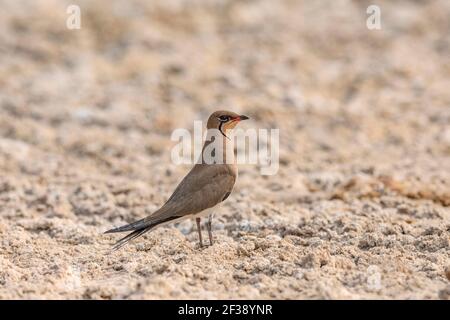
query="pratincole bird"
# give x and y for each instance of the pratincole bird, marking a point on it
(208, 184)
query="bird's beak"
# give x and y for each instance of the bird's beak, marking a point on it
(242, 117)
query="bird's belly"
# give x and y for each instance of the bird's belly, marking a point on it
(201, 214)
(206, 212)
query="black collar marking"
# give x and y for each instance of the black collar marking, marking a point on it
(220, 129)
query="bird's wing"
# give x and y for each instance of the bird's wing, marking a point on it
(203, 187)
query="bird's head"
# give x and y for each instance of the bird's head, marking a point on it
(224, 120)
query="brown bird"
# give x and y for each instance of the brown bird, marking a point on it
(203, 188)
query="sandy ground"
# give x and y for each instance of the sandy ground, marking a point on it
(360, 205)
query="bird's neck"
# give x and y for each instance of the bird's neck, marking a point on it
(218, 149)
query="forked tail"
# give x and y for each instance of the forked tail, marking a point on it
(133, 235)
(139, 228)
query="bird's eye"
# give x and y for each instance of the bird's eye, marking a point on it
(224, 118)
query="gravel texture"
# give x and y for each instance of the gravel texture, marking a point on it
(359, 208)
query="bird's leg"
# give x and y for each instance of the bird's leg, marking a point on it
(199, 231)
(208, 226)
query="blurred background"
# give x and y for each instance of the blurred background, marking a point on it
(86, 117)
